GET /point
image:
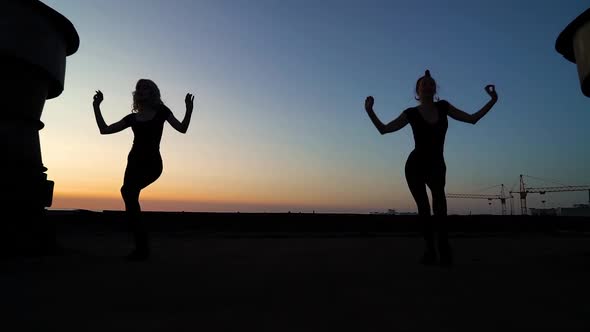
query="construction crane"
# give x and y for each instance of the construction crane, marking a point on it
(501, 197)
(524, 191)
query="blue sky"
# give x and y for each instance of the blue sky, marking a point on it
(280, 87)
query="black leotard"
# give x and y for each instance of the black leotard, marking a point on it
(147, 134)
(426, 164)
(144, 162)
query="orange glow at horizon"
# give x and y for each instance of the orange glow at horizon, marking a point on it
(155, 203)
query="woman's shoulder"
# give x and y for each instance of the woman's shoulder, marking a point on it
(443, 104)
(129, 118)
(164, 109)
(410, 111)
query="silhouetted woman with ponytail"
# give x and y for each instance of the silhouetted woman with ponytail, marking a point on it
(425, 165)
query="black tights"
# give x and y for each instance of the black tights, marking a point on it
(140, 173)
(431, 172)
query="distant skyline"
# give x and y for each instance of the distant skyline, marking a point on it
(279, 89)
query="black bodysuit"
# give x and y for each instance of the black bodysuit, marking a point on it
(144, 162)
(426, 164)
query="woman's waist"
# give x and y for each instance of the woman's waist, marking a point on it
(142, 152)
(428, 154)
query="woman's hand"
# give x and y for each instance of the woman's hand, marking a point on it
(188, 100)
(369, 101)
(491, 90)
(98, 98)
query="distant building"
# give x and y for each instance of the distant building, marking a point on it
(578, 210)
(407, 214)
(543, 212)
(396, 213)
(389, 211)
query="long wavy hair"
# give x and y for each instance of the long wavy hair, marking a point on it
(153, 98)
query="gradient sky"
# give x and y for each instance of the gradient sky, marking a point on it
(280, 85)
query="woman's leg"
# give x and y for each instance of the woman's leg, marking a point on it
(137, 177)
(436, 182)
(130, 193)
(417, 185)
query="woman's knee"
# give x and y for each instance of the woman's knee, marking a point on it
(439, 195)
(439, 205)
(129, 192)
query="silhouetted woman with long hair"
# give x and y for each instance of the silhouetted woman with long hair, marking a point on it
(425, 165)
(144, 162)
